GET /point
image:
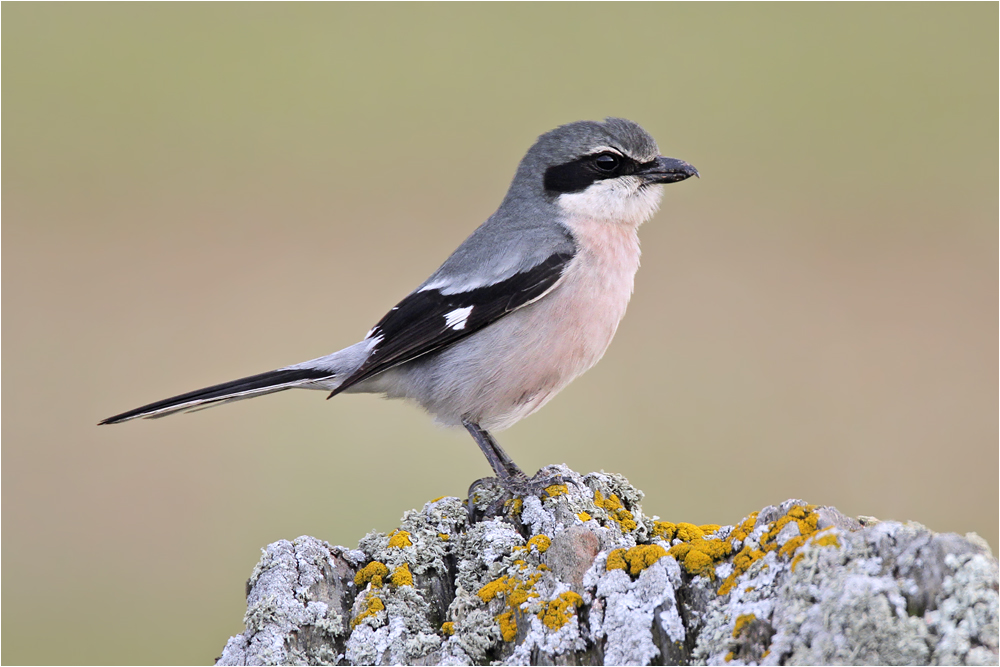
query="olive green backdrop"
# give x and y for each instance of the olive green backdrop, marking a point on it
(196, 192)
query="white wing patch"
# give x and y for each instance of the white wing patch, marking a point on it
(457, 318)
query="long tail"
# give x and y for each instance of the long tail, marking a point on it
(235, 390)
(323, 373)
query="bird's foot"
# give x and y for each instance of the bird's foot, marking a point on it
(486, 499)
(496, 496)
(540, 485)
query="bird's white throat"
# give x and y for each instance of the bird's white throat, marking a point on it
(622, 200)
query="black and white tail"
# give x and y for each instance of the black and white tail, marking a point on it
(235, 390)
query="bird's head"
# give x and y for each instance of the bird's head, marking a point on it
(608, 171)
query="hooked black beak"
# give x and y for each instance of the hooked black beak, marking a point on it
(666, 170)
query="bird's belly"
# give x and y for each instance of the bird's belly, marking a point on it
(541, 351)
(511, 368)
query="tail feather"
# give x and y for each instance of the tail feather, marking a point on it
(248, 387)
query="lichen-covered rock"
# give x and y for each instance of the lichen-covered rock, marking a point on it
(581, 576)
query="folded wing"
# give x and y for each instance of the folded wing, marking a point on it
(431, 318)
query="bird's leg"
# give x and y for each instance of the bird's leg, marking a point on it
(506, 470)
(511, 478)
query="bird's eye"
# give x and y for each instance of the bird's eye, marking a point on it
(607, 162)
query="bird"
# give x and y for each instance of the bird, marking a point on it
(527, 303)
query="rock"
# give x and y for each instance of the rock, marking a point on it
(571, 554)
(581, 576)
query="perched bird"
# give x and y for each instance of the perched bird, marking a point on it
(527, 303)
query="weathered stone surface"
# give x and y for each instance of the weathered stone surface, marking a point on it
(582, 577)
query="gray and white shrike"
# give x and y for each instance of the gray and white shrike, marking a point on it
(527, 303)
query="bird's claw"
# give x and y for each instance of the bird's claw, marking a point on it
(533, 486)
(492, 496)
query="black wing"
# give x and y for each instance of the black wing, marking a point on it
(428, 320)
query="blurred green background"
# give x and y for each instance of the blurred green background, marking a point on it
(196, 192)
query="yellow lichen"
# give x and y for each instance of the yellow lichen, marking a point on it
(523, 589)
(741, 563)
(402, 576)
(508, 626)
(516, 590)
(556, 613)
(679, 551)
(642, 556)
(400, 538)
(540, 542)
(689, 532)
(699, 563)
(616, 511)
(492, 589)
(519, 596)
(828, 540)
(796, 561)
(729, 657)
(664, 530)
(804, 516)
(514, 505)
(444, 536)
(699, 555)
(439, 498)
(742, 531)
(742, 622)
(806, 520)
(792, 545)
(636, 559)
(374, 572)
(556, 490)
(374, 606)
(583, 516)
(448, 628)
(616, 560)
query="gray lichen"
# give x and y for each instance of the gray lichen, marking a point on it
(582, 576)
